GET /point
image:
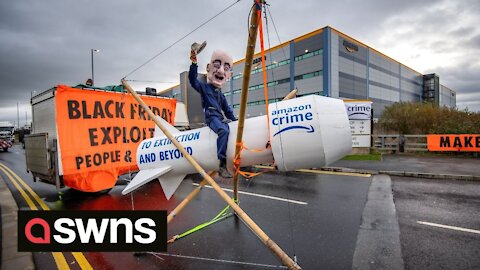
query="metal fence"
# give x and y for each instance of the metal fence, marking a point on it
(411, 143)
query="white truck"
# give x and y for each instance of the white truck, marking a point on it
(6, 135)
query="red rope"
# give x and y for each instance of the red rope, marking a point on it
(236, 160)
(264, 67)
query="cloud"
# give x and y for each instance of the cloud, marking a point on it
(441, 37)
(24, 116)
(465, 79)
(475, 42)
(462, 31)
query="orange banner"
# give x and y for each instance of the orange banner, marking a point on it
(98, 134)
(454, 142)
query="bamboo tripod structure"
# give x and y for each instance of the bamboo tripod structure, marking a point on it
(286, 260)
(188, 199)
(252, 40)
(204, 182)
(207, 178)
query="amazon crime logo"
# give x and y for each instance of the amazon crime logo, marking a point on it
(359, 111)
(292, 117)
(92, 231)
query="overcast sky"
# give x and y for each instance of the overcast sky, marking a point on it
(48, 42)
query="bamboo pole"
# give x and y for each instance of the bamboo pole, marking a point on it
(252, 40)
(292, 94)
(204, 182)
(287, 261)
(188, 199)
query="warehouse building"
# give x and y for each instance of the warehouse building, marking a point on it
(329, 63)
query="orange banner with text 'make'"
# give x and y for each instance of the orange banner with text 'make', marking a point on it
(454, 142)
(99, 131)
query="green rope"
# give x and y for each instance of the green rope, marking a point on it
(223, 212)
(201, 226)
(219, 217)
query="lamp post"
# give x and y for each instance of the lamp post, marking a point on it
(93, 76)
(18, 117)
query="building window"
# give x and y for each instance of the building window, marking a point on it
(308, 75)
(272, 66)
(281, 63)
(258, 102)
(308, 55)
(286, 80)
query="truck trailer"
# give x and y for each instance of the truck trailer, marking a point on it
(85, 138)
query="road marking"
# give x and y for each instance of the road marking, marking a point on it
(27, 187)
(157, 255)
(60, 260)
(449, 227)
(58, 256)
(366, 175)
(320, 171)
(82, 261)
(259, 195)
(29, 201)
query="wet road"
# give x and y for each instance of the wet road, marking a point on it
(423, 205)
(319, 225)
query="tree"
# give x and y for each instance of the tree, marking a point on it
(426, 118)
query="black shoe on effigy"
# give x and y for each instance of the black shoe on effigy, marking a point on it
(223, 172)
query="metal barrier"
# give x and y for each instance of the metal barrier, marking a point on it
(392, 142)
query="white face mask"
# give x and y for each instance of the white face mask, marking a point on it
(219, 69)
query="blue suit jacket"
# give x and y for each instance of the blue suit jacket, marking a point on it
(213, 100)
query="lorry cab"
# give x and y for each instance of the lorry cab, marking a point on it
(6, 131)
(6, 135)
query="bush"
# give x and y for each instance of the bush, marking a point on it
(426, 118)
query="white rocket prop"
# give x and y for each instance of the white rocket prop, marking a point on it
(306, 132)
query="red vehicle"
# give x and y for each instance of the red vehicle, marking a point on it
(4, 144)
(6, 135)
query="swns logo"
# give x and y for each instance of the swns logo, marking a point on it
(92, 231)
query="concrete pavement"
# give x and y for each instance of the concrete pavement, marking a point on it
(378, 240)
(10, 257)
(437, 167)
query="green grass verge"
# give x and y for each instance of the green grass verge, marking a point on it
(363, 157)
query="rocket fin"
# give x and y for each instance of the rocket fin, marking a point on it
(159, 132)
(170, 183)
(145, 176)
